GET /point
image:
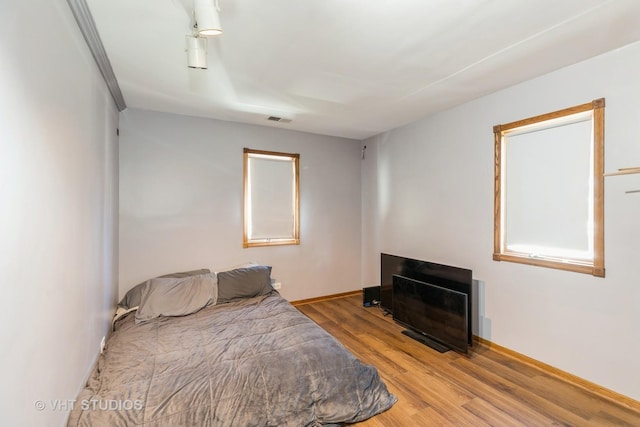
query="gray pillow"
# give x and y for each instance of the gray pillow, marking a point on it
(244, 283)
(176, 296)
(132, 297)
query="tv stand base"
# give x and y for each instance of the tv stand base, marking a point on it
(426, 341)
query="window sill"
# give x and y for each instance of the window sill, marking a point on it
(576, 266)
(257, 243)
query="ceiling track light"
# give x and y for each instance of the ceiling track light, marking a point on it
(207, 19)
(196, 52)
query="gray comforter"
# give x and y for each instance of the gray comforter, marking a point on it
(254, 362)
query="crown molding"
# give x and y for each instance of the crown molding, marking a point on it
(89, 31)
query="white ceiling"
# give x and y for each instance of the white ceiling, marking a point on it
(349, 68)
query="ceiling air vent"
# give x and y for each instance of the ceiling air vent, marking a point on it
(278, 119)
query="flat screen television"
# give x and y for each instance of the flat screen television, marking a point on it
(435, 316)
(456, 279)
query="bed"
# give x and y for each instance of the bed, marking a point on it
(207, 349)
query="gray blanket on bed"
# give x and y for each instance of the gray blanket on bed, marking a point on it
(254, 362)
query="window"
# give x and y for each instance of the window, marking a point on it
(271, 202)
(549, 190)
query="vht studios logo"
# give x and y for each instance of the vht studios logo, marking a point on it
(89, 405)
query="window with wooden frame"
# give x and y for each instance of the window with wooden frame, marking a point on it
(549, 190)
(271, 198)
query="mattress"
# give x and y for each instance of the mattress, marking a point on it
(250, 362)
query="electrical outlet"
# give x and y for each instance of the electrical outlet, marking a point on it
(102, 344)
(277, 285)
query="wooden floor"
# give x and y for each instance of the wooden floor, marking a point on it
(448, 389)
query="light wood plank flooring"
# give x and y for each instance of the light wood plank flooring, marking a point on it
(448, 389)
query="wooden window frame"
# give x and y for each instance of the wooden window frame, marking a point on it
(247, 242)
(595, 267)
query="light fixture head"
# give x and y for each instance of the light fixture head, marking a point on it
(196, 52)
(207, 19)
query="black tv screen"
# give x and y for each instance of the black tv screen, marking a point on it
(436, 312)
(390, 265)
(446, 276)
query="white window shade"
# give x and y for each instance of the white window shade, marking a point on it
(272, 198)
(548, 198)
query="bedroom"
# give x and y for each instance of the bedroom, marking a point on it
(72, 242)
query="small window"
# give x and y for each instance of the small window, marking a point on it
(549, 190)
(271, 201)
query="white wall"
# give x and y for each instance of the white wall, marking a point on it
(428, 194)
(181, 202)
(58, 210)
